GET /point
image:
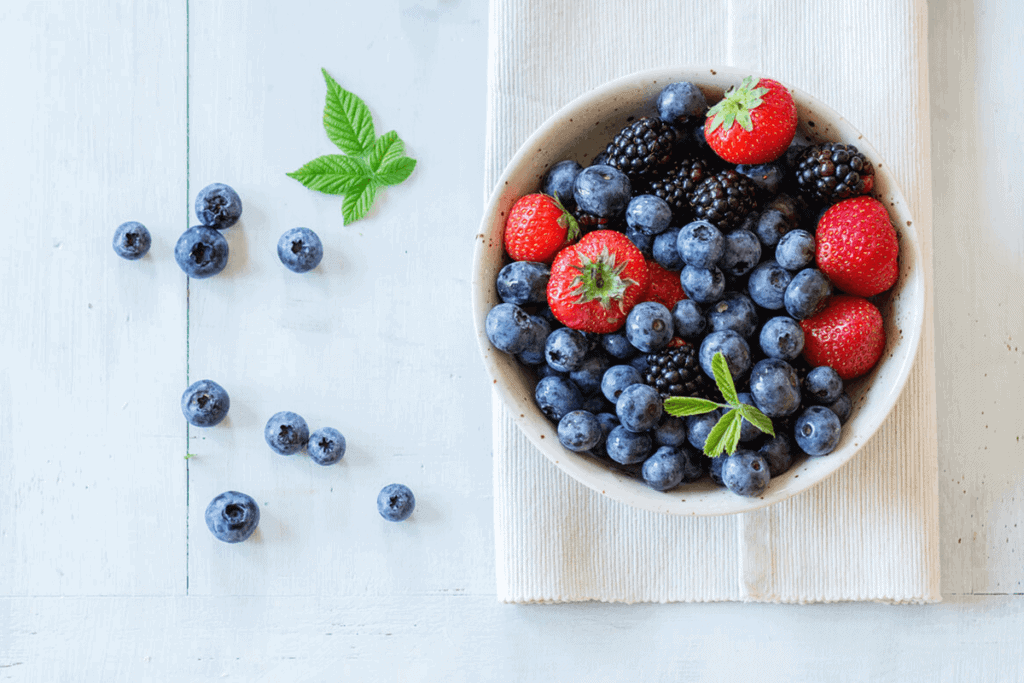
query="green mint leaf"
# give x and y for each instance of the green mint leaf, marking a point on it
(721, 435)
(723, 378)
(358, 200)
(757, 418)
(332, 173)
(386, 149)
(682, 406)
(396, 171)
(347, 119)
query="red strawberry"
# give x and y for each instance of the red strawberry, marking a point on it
(663, 285)
(537, 227)
(847, 336)
(595, 282)
(753, 124)
(857, 246)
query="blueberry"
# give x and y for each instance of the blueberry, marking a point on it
(668, 467)
(715, 469)
(642, 241)
(736, 312)
(617, 345)
(699, 426)
(649, 326)
(565, 349)
(778, 453)
(742, 252)
(602, 190)
(590, 372)
(703, 286)
(649, 214)
(545, 312)
(640, 362)
(746, 473)
(326, 446)
(681, 101)
(817, 431)
(608, 422)
(201, 252)
(395, 502)
(205, 403)
(782, 337)
(789, 207)
(688, 320)
(671, 432)
(533, 353)
(544, 370)
(218, 206)
(131, 240)
(795, 250)
(509, 328)
(596, 403)
(771, 226)
(807, 293)
(626, 447)
(767, 285)
(300, 250)
(699, 139)
(523, 282)
(286, 433)
(767, 177)
(664, 251)
(700, 244)
(579, 431)
(232, 516)
(775, 387)
(557, 396)
(823, 385)
(843, 408)
(733, 347)
(639, 408)
(748, 432)
(617, 378)
(558, 182)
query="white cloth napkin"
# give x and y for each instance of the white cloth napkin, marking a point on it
(871, 531)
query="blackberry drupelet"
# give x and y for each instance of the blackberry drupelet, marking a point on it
(831, 172)
(588, 223)
(677, 185)
(724, 199)
(643, 147)
(676, 372)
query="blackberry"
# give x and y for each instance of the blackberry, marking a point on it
(831, 172)
(679, 184)
(642, 147)
(676, 372)
(588, 223)
(724, 199)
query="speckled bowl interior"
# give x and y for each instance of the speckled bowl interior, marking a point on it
(579, 131)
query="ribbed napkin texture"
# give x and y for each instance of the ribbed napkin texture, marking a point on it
(870, 532)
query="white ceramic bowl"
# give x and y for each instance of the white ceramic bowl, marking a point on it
(579, 131)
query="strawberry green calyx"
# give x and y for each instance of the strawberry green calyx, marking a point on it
(567, 221)
(601, 280)
(736, 106)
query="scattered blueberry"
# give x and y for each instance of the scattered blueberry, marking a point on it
(395, 502)
(665, 469)
(300, 250)
(617, 378)
(286, 433)
(559, 181)
(767, 285)
(232, 516)
(639, 408)
(782, 337)
(671, 432)
(778, 453)
(795, 250)
(523, 282)
(565, 349)
(579, 431)
(843, 408)
(205, 403)
(664, 251)
(748, 432)
(746, 473)
(734, 311)
(326, 446)
(775, 387)
(557, 396)
(602, 190)
(699, 426)
(823, 385)
(649, 326)
(509, 328)
(807, 294)
(679, 102)
(688, 320)
(201, 252)
(626, 447)
(131, 240)
(218, 206)
(767, 177)
(589, 373)
(649, 214)
(817, 431)
(733, 346)
(741, 253)
(533, 352)
(771, 226)
(700, 244)
(703, 286)
(617, 345)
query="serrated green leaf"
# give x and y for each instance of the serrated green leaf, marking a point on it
(386, 149)
(347, 119)
(723, 378)
(358, 200)
(757, 418)
(396, 171)
(743, 118)
(683, 406)
(332, 173)
(721, 435)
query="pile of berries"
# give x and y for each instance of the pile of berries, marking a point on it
(699, 231)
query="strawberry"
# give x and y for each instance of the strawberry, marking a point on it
(595, 282)
(538, 226)
(753, 124)
(847, 336)
(663, 285)
(857, 247)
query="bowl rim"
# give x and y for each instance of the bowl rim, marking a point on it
(588, 471)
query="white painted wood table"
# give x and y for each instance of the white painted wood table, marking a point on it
(117, 111)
